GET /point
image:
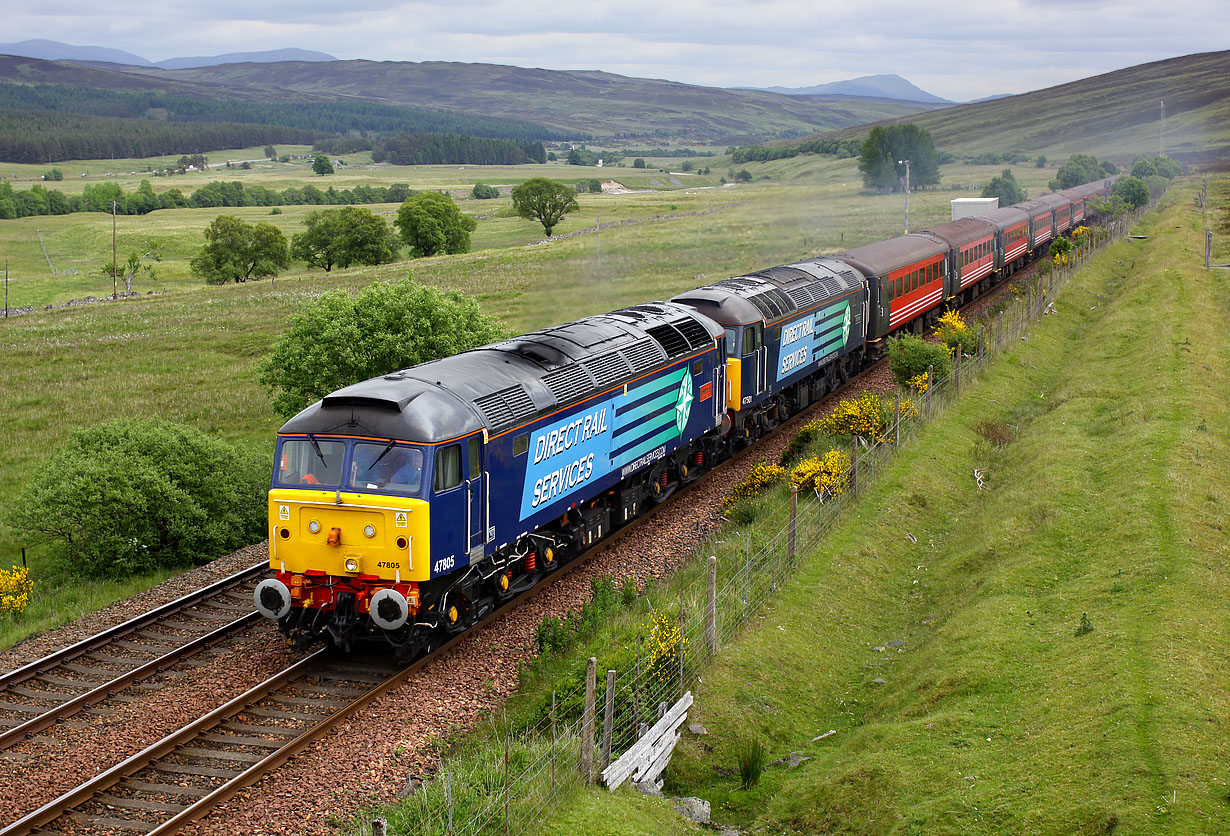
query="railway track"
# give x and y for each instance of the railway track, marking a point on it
(49, 690)
(182, 777)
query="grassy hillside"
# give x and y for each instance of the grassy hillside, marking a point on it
(1045, 656)
(1111, 115)
(585, 101)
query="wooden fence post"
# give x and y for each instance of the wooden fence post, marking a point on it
(897, 422)
(854, 466)
(608, 721)
(711, 606)
(553, 738)
(930, 386)
(379, 827)
(587, 721)
(793, 532)
(956, 371)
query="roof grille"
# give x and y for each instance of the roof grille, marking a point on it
(569, 383)
(506, 408)
(696, 334)
(643, 355)
(672, 342)
(608, 368)
(802, 296)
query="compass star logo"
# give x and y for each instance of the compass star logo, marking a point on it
(683, 403)
(845, 326)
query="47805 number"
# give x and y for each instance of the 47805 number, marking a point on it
(443, 565)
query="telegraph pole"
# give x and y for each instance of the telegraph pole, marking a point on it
(1161, 139)
(906, 163)
(115, 284)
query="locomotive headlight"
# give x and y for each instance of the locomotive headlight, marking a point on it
(369, 530)
(314, 527)
(352, 565)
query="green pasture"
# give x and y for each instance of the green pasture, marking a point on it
(1045, 656)
(191, 354)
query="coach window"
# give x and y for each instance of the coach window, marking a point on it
(448, 468)
(521, 445)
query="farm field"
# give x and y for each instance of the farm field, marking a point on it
(1045, 656)
(192, 354)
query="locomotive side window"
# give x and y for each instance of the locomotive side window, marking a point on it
(307, 461)
(730, 342)
(698, 367)
(386, 466)
(476, 459)
(448, 467)
(521, 445)
(751, 339)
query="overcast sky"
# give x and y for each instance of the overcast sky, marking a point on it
(958, 49)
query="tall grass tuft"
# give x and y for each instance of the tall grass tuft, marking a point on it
(751, 754)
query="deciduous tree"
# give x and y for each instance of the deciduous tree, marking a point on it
(431, 223)
(237, 251)
(545, 201)
(344, 237)
(886, 145)
(1005, 187)
(321, 165)
(338, 339)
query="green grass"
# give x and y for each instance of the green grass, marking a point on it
(192, 354)
(995, 714)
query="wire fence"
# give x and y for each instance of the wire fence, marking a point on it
(509, 788)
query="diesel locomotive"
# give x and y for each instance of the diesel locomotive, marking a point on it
(405, 508)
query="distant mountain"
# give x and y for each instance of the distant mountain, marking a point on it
(56, 51)
(868, 86)
(266, 57)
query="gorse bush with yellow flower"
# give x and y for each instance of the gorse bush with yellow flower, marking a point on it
(664, 645)
(863, 416)
(15, 589)
(956, 334)
(759, 478)
(918, 383)
(826, 475)
(1061, 252)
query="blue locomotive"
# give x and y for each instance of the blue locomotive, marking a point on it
(405, 508)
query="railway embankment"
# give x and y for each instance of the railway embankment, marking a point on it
(1042, 649)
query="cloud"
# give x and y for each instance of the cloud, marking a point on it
(959, 49)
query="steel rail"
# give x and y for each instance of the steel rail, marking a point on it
(56, 714)
(108, 635)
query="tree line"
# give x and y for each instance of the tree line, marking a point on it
(440, 149)
(331, 117)
(841, 148)
(30, 136)
(98, 197)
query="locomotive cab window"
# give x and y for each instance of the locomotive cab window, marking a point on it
(386, 466)
(751, 339)
(448, 468)
(308, 461)
(731, 339)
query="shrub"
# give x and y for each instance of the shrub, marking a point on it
(665, 642)
(128, 496)
(553, 635)
(864, 416)
(958, 336)
(826, 475)
(798, 445)
(628, 593)
(909, 356)
(15, 589)
(759, 478)
(484, 192)
(750, 754)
